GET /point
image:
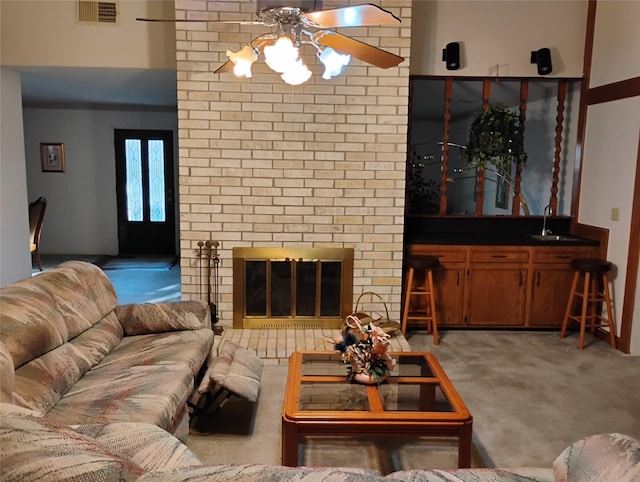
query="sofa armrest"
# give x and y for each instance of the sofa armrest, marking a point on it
(259, 472)
(146, 318)
(609, 456)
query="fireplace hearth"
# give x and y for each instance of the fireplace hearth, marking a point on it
(285, 288)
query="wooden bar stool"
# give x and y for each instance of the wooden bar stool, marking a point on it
(594, 291)
(426, 264)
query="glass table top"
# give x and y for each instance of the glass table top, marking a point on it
(416, 384)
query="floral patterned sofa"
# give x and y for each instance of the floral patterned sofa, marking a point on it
(68, 350)
(38, 447)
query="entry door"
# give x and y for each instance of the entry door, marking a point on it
(144, 187)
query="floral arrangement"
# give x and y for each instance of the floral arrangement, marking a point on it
(364, 348)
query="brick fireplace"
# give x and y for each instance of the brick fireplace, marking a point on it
(266, 164)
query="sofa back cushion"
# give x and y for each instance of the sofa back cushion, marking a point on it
(56, 327)
(6, 375)
(31, 323)
(82, 292)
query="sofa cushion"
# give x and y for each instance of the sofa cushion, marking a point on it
(149, 446)
(601, 457)
(150, 394)
(190, 348)
(37, 447)
(144, 318)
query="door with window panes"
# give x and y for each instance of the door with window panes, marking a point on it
(145, 192)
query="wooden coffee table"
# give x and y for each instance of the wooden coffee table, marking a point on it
(418, 399)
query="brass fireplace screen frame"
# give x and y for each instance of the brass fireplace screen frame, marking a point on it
(318, 255)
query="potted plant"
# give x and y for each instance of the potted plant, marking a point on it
(364, 348)
(495, 136)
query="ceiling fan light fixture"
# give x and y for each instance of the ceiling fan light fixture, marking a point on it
(242, 60)
(296, 74)
(333, 62)
(294, 26)
(281, 56)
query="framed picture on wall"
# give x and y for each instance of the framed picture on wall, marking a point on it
(52, 157)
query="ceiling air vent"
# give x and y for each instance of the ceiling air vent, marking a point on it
(97, 12)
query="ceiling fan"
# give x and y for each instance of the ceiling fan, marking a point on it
(292, 28)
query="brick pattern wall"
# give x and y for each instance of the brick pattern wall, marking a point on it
(266, 164)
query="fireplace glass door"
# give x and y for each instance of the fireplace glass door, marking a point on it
(292, 291)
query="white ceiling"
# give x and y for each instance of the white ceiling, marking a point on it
(70, 86)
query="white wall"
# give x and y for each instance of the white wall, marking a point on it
(607, 179)
(46, 33)
(611, 142)
(616, 42)
(15, 259)
(81, 215)
(501, 33)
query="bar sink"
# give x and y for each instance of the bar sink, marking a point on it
(553, 237)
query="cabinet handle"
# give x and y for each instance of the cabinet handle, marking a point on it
(520, 273)
(538, 278)
(498, 255)
(563, 256)
(458, 278)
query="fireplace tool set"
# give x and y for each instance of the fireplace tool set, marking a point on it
(208, 262)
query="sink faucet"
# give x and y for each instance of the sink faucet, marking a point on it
(547, 209)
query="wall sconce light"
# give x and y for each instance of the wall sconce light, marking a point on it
(542, 57)
(451, 55)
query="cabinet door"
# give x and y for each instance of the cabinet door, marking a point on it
(551, 283)
(497, 294)
(448, 281)
(449, 288)
(551, 289)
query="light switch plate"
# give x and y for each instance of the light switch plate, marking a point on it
(615, 214)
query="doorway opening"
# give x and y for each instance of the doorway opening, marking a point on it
(145, 192)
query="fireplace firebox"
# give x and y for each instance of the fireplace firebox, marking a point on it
(283, 288)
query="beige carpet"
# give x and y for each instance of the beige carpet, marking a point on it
(531, 394)
(242, 433)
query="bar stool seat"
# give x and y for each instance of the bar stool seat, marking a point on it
(413, 289)
(594, 291)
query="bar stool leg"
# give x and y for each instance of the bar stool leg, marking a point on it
(595, 297)
(567, 312)
(585, 304)
(407, 301)
(432, 303)
(607, 300)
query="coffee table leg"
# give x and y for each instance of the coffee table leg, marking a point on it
(289, 443)
(464, 446)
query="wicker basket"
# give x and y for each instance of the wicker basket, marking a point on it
(383, 320)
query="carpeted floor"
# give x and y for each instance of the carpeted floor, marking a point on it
(531, 394)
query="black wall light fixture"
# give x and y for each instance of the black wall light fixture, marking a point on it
(451, 55)
(542, 58)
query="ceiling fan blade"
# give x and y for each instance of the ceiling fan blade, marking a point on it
(226, 67)
(360, 50)
(170, 20)
(366, 15)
